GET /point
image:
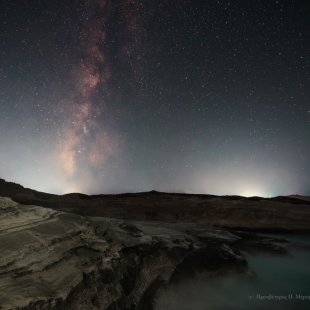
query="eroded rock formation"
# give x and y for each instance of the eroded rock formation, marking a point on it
(58, 260)
(120, 251)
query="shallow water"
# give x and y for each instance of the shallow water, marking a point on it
(283, 282)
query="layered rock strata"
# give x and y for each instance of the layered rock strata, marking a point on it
(59, 260)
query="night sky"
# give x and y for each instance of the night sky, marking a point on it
(178, 96)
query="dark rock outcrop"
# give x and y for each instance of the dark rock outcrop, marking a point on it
(307, 198)
(236, 212)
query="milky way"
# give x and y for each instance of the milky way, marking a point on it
(84, 142)
(126, 96)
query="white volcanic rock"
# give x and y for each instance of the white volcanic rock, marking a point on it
(58, 260)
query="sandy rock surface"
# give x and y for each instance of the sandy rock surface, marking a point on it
(115, 252)
(59, 260)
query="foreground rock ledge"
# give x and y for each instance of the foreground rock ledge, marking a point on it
(57, 260)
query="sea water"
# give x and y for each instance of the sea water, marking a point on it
(282, 282)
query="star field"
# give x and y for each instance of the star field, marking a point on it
(182, 96)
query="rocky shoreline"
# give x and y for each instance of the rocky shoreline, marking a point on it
(57, 260)
(54, 259)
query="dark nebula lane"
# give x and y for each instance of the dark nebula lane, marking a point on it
(181, 96)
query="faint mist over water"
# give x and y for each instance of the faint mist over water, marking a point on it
(283, 282)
